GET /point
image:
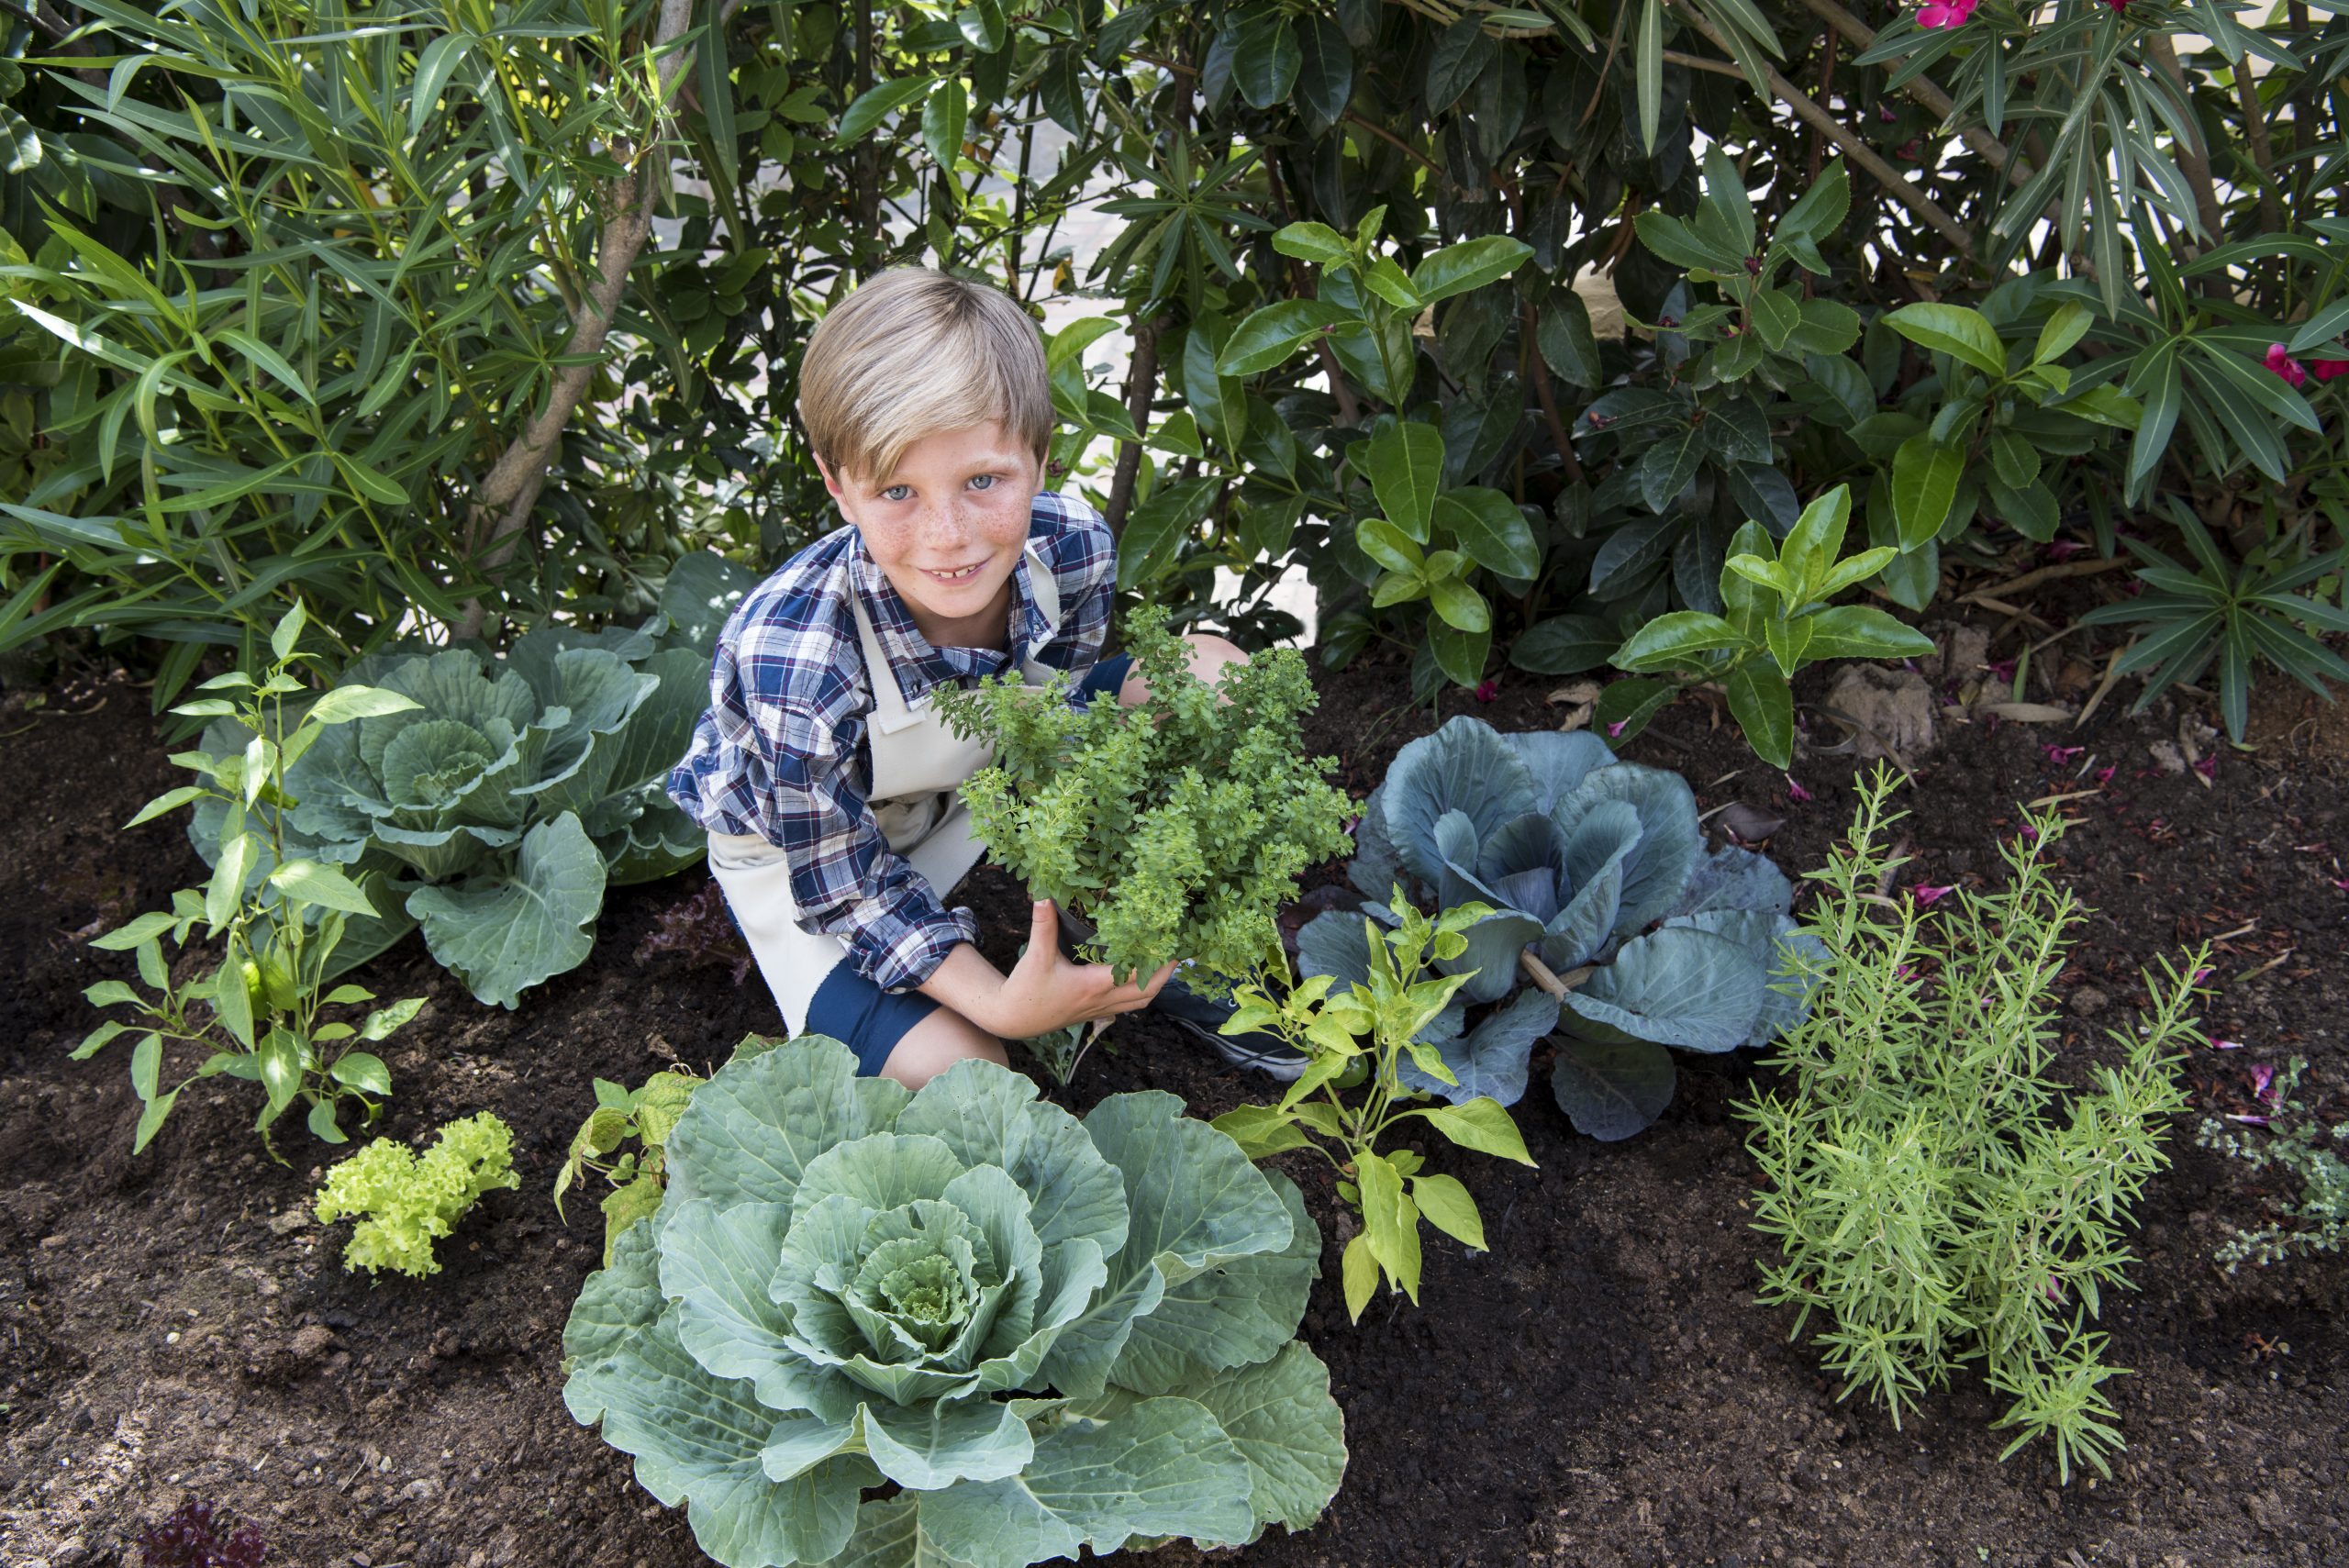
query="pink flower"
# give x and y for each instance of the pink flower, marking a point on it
(2119, 7)
(2283, 364)
(2223, 1044)
(2061, 755)
(1945, 13)
(2203, 974)
(1488, 690)
(1795, 791)
(2064, 548)
(1617, 728)
(2207, 767)
(2325, 370)
(1924, 893)
(2263, 1083)
(2005, 670)
(2342, 883)
(2104, 774)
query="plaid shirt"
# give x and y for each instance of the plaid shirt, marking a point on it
(781, 751)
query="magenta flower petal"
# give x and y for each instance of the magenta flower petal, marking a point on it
(1924, 893)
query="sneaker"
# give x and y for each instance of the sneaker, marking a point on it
(1258, 1051)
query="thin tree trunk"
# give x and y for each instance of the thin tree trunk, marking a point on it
(504, 501)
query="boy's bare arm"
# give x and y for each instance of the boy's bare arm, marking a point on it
(1043, 992)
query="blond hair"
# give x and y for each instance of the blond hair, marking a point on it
(912, 351)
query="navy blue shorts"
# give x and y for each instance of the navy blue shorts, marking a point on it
(870, 1021)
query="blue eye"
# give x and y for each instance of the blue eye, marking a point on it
(890, 494)
(983, 481)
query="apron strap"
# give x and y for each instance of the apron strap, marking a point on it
(891, 712)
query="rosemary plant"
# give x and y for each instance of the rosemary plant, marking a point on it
(1937, 1195)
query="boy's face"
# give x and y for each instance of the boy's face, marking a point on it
(947, 529)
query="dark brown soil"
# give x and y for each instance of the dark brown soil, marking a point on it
(1598, 1389)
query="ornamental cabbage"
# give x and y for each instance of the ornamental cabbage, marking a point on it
(1046, 1334)
(1579, 855)
(499, 809)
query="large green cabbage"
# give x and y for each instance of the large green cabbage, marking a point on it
(1046, 1333)
(496, 813)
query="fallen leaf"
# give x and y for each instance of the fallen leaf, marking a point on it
(1748, 825)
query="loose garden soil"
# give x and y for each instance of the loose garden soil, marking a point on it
(1598, 1389)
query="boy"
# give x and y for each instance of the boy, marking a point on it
(823, 772)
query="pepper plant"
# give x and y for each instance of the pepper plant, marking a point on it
(1359, 1039)
(277, 913)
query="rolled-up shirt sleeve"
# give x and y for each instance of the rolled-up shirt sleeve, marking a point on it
(845, 880)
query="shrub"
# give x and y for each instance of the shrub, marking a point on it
(2317, 1218)
(410, 1203)
(1045, 1333)
(1935, 1196)
(1177, 828)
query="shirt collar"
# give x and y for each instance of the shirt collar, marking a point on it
(919, 666)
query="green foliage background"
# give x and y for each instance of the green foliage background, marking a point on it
(464, 316)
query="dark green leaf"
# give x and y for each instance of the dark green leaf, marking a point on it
(1461, 54)
(1404, 464)
(1763, 707)
(1564, 645)
(1491, 529)
(1471, 265)
(1953, 329)
(1925, 476)
(878, 103)
(1272, 334)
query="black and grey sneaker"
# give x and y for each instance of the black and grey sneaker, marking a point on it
(1259, 1051)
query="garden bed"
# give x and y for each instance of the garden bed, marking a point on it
(1597, 1390)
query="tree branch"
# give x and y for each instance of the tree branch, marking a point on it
(1141, 381)
(2193, 161)
(1927, 94)
(1922, 206)
(506, 498)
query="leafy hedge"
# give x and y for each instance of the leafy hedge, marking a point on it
(2010, 277)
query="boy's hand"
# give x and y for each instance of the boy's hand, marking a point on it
(1045, 991)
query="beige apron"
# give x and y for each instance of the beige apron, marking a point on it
(917, 763)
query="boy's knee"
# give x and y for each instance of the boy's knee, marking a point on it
(937, 1042)
(1210, 654)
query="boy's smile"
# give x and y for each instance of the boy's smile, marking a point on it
(947, 527)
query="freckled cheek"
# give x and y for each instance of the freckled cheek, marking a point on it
(1002, 524)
